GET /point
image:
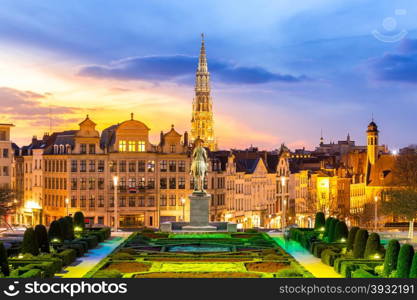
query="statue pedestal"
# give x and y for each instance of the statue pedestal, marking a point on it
(199, 213)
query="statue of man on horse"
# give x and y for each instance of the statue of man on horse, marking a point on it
(199, 166)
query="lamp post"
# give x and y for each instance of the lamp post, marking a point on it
(284, 202)
(183, 208)
(376, 213)
(66, 205)
(115, 183)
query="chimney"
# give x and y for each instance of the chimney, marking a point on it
(186, 139)
(162, 142)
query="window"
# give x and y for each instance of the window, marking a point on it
(151, 183)
(172, 200)
(132, 166)
(5, 171)
(101, 166)
(113, 166)
(83, 184)
(122, 184)
(172, 147)
(131, 201)
(163, 166)
(132, 146)
(73, 183)
(172, 183)
(82, 201)
(100, 220)
(100, 201)
(83, 166)
(101, 183)
(73, 201)
(122, 166)
(181, 183)
(181, 166)
(151, 166)
(132, 182)
(83, 149)
(172, 166)
(141, 166)
(92, 148)
(2, 135)
(151, 201)
(92, 200)
(91, 183)
(122, 202)
(163, 200)
(141, 146)
(141, 201)
(141, 182)
(5, 153)
(163, 183)
(111, 201)
(92, 167)
(122, 146)
(74, 166)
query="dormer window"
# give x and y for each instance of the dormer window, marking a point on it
(55, 149)
(132, 146)
(172, 148)
(122, 146)
(68, 148)
(92, 148)
(83, 148)
(141, 146)
(61, 149)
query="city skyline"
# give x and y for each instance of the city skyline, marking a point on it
(276, 85)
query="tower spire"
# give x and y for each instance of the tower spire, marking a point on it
(202, 60)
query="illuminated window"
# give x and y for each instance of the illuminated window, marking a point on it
(132, 146)
(141, 146)
(122, 146)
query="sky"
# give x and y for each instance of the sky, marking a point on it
(282, 71)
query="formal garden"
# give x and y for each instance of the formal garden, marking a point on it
(43, 253)
(149, 254)
(356, 253)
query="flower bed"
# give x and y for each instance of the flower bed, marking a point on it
(200, 275)
(128, 267)
(269, 267)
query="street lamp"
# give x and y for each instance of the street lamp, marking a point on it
(284, 202)
(376, 212)
(66, 204)
(115, 182)
(183, 208)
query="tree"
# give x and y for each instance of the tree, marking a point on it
(332, 230)
(341, 232)
(4, 264)
(7, 204)
(30, 244)
(360, 243)
(70, 222)
(391, 257)
(79, 222)
(55, 233)
(327, 226)
(319, 221)
(401, 198)
(413, 270)
(373, 246)
(405, 258)
(351, 237)
(42, 238)
(65, 228)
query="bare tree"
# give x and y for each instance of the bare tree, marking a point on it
(6, 203)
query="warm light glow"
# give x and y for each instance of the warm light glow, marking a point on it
(115, 180)
(377, 256)
(376, 199)
(283, 181)
(183, 201)
(77, 229)
(342, 240)
(32, 205)
(394, 152)
(66, 201)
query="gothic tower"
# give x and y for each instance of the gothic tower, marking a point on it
(372, 134)
(202, 116)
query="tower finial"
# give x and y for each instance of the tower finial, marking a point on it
(131, 116)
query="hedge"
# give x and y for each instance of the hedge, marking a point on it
(329, 255)
(332, 230)
(345, 266)
(341, 232)
(327, 226)
(405, 258)
(108, 274)
(33, 273)
(373, 246)
(55, 234)
(91, 240)
(363, 273)
(70, 222)
(79, 221)
(65, 229)
(413, 269)
(4, 264)
(391, 257)
(30, 244)
(317, 248)
(305, 236)
(42, 238)
(55, 261)
(351, 237)
(319, 221)
(360, 243)
(68, 256)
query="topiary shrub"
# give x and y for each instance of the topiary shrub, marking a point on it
(70, 222)
(413, 269)
(373, 246)
(332, 230)
(327, 226)
(351, 237)
(79, 221)
(391, 257)
(65, 229)
(30, 244)
(360, 243)
(405, 258)
(319, 221)
(42, 238)
(4, 264)
(341, 232)
(55, 233)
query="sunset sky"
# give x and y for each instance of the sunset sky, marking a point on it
(281, 70)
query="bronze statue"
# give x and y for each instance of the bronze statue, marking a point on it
(199, 166)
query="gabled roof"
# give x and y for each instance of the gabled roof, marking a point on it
(380, 174)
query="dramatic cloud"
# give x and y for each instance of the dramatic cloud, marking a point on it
(181, 68)
(401, 66)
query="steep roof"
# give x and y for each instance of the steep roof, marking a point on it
(380, 174)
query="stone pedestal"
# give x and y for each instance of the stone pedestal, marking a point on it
(199, 213)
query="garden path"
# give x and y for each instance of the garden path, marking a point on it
(313, 264)
(84, 264)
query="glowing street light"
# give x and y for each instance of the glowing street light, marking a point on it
(115, 183)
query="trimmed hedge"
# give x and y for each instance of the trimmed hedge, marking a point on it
(332, 230)
(70, 222)
(391, 257)
(329, 255)
(65, 229)
(33, 273)
(327, 226)
(319, 221)
(4, 263)
(373, 246)
(305, 236)
(55, 234)
(30, 244)
(79, 220)
(91, 240)
(42, 238)
(345, 266)
(341, 232)
(363, 272)
(413, 269)
(108, 274)
(360, 243)
(68, 256)
(405, 258)
(351, 238)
